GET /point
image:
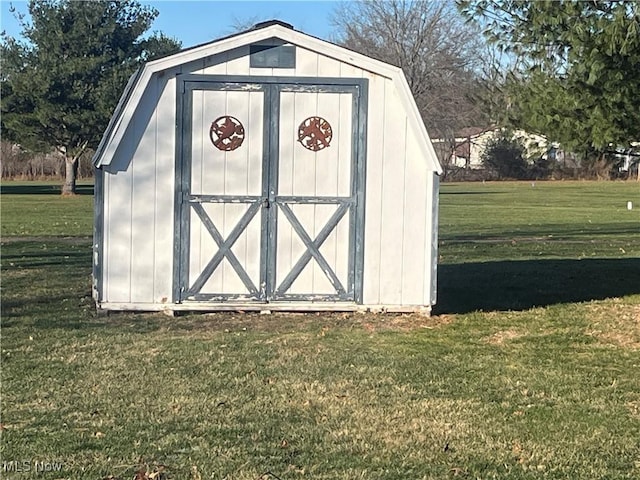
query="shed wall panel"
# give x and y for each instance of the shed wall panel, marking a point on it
(392, 221)
(374, 200)
(143, 173)
(349, 71)
(215, 64)
(118, 236)
(430, 294)
(327, 67)
(164, 188)
(238, 61)
(397, 224)
(103, 269)
(306, 63)
(414, 224)
(139, 203)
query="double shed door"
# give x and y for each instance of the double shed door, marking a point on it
(271, 191)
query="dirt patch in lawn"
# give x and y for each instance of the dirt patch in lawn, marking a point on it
(287, 321)
(502, 337)
(615, 323)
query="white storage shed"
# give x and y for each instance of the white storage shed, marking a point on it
(268, 170)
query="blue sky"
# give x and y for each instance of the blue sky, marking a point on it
(195, 22)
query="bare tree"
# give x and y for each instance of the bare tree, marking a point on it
(438, 52)
(244, 23)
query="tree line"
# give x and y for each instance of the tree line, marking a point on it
(565, 70)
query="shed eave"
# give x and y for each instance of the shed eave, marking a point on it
(116, 117)
(135, 89)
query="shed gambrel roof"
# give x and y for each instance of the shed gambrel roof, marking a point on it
(266, 31)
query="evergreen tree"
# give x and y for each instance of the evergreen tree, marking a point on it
(61, 83)
(578, 80)
(504, 156)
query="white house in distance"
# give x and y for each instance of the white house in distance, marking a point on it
(268, 170)
(470, 144)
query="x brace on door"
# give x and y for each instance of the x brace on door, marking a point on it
(313, 249)
(224, 246)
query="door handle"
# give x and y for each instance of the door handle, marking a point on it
(266, 203)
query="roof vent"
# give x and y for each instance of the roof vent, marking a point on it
(269, 23)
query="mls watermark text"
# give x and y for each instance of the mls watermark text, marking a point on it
(33, 466)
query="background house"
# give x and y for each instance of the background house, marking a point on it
(470, 144)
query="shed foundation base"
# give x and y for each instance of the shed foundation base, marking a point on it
(265, 308)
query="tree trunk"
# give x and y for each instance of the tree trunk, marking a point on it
(71, 173)
(601, 167)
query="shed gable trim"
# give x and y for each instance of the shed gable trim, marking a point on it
(138, 84)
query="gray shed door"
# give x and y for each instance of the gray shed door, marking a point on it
(270, 180)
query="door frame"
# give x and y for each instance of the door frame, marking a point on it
(272, 86)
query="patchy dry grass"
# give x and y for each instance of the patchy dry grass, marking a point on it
(615, 323)
(503, 336)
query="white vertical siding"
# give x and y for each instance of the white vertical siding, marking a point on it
(117, 238)
(300, 166)
(392, 211)
(349, 71)
(138, 195)
(433, 204)
(373, 190)
(306, 63)
(164, 189)
(143, 172)
(238, 61)
(327, 67)
(399, 192)
(214, 65)
(335, 177)
(415, 217)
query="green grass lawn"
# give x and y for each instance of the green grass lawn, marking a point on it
(530, 368)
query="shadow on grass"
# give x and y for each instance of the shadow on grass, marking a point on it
(51, 252)
(41, 189)
(520, 285)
